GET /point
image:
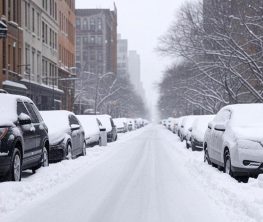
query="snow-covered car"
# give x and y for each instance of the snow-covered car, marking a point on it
(234, 140)
(170, 123)
(186, 124)
(66, 135)
(121, 125)
(177, 125)
(24, 142)
(108, 123)
(92, 127)
(198, 131)
(131, 125)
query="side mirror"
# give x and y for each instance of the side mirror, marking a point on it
(74, 127)
(102, 129)
(190, 129)
(210, 125)
(220, 127)
(24, 119)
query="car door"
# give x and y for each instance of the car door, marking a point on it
(75, 135)
(28, 133)
(36, 151)
(218, 134)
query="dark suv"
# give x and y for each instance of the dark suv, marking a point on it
(24, 140)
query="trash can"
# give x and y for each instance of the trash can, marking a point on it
(103, 136)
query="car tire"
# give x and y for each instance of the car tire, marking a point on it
(15, 171)
(206, 157)
(69, 152)
(192, 147)
(227, 164)
(44, 161)
(187, 145)
(84, 152)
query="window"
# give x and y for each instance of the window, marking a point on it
(92, 24)
(38, 24)
(32, 113)
(73, 120)
(33, 61)
(78, 23)
(21, 109)
(36, 112)
(33, 20)
(85, 24)
(99, 24)
(223, 116)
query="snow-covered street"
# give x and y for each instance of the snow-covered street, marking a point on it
(146, 176)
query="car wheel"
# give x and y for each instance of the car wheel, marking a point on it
(84, 149)
(69, 152)
(206, 157)
(187, 145)
(15, 171)
(192, 147)
(45, 161)
(227, 164)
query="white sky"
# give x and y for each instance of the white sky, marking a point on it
(142, 22)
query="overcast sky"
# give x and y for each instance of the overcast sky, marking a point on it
(142, 22)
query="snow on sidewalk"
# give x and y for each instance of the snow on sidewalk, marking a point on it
(242, 202)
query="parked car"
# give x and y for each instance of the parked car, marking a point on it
(233, 140)
(198, 131)
(24, 142)
(131, 125)
(186, 123)
(66, 135)
(177, 125)
(108, 123)
(92, 127)
(121, 125)
(170, 123)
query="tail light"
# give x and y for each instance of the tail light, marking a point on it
(3, 132)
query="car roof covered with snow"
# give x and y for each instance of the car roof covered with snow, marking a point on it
(8, 108)
(245, 114)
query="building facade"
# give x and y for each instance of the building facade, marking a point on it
(134, 69)
(39, 51)
(96, 40)
(11, 47)
(122, 57)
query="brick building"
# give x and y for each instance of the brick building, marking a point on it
(11, 47)
(66, 44)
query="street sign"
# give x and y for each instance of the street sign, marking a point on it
(3, 30)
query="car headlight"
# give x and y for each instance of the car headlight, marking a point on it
(3, 132)
(249, 144)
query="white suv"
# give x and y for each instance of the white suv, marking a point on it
(234, 140)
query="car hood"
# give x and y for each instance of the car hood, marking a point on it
(249, 133)
(56, 136)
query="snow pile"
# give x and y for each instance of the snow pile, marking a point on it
(239, 201)
(57, 123)
(91, 127)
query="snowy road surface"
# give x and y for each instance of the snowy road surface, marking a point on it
(146, 176)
